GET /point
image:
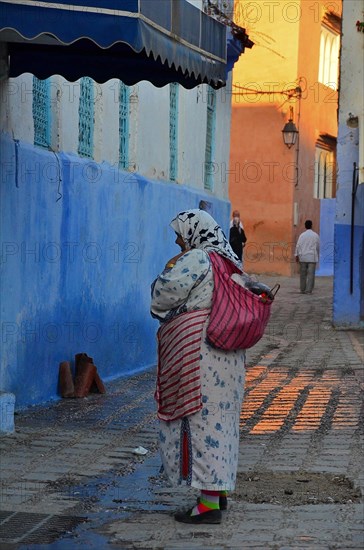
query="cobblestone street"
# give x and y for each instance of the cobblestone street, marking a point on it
(70, 477)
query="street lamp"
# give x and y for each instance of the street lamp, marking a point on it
(290, 131)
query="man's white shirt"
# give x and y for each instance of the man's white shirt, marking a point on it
(308, 246)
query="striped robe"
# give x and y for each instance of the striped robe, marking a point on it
(198, 447)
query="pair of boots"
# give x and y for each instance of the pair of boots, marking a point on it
(86, 377)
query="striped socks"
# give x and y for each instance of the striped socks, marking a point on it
(209, 500)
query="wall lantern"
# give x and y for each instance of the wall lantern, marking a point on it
(290, 131)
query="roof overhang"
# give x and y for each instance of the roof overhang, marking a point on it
(161, 41)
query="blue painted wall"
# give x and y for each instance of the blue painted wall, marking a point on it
(348, 309)
(327, 222)
(81, 244)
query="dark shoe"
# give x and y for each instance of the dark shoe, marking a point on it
(212, 517)
(222, 502)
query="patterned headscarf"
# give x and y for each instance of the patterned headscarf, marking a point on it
(199, 230)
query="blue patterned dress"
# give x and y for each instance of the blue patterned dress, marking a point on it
(201, 449)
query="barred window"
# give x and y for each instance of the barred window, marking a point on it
(86, 113)
(173, 131)
(41, 112)
(124, 110)
(210, 140)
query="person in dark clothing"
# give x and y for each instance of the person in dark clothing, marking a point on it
(237, 237)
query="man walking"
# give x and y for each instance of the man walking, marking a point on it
(307, 254)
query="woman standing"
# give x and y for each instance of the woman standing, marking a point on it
(199, 388)
(237, 237)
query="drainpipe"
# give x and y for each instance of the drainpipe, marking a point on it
(353, 195)
(299, 95)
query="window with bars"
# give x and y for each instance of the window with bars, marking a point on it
(173, 131)
(86, 115)
(210, 140)
(41, 112)
(124, 110)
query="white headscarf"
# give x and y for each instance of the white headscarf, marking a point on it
(199, 230)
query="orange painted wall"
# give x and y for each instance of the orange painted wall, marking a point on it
(268, 180)
(261, 187)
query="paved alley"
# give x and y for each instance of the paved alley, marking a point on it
(70, 476)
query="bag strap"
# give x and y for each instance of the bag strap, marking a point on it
(275, 289)
(223, 264)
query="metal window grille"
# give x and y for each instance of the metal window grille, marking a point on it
(173, 131)
(86, 113)
(210, 140)
(41, 112)
(124, 105)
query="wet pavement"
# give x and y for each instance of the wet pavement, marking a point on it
(70, 477)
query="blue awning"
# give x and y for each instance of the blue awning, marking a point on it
(235, 47)
(157, 40)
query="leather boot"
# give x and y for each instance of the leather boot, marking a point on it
(66, 385)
